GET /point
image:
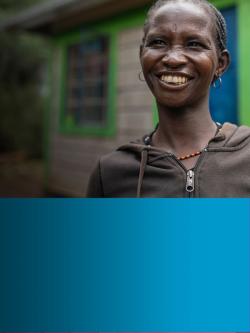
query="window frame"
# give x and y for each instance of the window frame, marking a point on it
(67, 126)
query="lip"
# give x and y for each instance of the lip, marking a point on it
(173, 86)
(173, 73)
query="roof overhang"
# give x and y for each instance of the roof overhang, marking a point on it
(57, 16)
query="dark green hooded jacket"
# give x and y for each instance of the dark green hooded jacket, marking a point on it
(140, 170)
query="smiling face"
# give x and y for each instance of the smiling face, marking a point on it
(179, 57)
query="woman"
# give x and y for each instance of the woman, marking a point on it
(183, 53)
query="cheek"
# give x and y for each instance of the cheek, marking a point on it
(145, 59)
(147, 63)
(208, 65)
(149, 60)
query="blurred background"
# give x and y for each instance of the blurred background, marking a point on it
(23, 63)
(70, 92)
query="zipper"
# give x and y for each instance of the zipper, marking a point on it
(190, 174)
(190, 181)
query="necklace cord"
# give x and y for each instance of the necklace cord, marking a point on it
(185, 157)
(148, 141)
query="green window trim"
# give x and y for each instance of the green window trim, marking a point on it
(110, 28)
(69, 127)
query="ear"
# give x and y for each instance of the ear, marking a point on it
(223, 62)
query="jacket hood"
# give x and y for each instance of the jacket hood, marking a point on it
(230, 137)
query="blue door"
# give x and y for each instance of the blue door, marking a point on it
(224, 100)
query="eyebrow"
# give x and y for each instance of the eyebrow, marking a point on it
(189, 36)
(200, 37)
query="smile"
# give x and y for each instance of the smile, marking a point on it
(174, 79)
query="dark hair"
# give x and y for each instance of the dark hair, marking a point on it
(220, 23)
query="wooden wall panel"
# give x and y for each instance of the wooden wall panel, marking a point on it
(73, 157)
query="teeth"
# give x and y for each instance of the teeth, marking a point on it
(168, 78)
(174, 79)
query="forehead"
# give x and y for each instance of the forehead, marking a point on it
(182, 15)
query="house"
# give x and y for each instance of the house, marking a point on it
(97, 101)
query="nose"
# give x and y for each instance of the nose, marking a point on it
(174, 58)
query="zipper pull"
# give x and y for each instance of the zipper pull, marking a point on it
(190, 181)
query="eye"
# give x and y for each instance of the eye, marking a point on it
(157, 42)
(195, 44)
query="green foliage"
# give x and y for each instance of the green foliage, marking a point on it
(22, 74)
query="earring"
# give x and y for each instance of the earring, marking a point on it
(139, 76)
(217, 77)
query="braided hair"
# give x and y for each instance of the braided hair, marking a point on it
(220, 23)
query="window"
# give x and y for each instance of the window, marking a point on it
(86, 102)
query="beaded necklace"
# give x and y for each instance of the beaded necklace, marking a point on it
(182, 158)
(148, 140)
(185, 157)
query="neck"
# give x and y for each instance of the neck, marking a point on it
(184, 130)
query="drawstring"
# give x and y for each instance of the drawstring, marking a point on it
(144, 158)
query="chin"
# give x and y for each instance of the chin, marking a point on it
(181, 102)
(172, 103)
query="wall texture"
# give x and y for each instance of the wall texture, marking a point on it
(71, 158)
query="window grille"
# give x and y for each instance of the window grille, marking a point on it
(87, 82)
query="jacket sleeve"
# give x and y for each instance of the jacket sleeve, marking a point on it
(95, 189)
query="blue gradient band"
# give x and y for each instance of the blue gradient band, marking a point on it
(125, 265)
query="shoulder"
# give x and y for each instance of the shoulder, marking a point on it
(116, 173)
(118, 158)
(236, 136)
(119, 164)
(231, 136)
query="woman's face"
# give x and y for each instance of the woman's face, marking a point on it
(179, 57)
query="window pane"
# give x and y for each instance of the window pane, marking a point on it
(87, 82)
